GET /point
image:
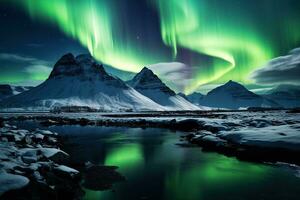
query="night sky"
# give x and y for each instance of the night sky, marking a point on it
(208, 41)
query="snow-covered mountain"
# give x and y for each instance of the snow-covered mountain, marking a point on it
(286, 95)
(195, 98)
(7, 90)
(81, 81)
(233, 95)
(148, 84)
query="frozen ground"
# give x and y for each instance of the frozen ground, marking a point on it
(267, 133)
(30, 160)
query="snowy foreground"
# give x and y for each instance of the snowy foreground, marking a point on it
(32, 163)
(32, 166)
(260, 136)
(29, 158)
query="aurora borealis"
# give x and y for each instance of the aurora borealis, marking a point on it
(216, 40)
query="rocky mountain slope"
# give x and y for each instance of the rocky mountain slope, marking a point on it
(233, 95)
(148, 84)
(81, 81)
(7, 90)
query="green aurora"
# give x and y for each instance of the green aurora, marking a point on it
(234, 36)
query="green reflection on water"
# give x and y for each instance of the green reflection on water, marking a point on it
(220, 171)
(126, 157)
(185, 173)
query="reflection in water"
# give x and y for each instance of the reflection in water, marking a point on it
(127, 157)
(156, 168)
(218, 171)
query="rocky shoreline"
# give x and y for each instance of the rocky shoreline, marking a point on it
(32, 166)
(254, 136)
(33, 156)
(214, 143)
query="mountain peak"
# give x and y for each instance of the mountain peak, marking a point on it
(147, 71)
(149, 85)
(234, 89)
(232, 86)
(147, 80)
(85, 58)
(83, 66)
(66, 59)
(232, 83)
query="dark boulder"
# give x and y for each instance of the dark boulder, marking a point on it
(98, 177)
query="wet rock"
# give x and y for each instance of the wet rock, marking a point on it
(295, 110)
(211, 140)
(11, 182)
(38, 137)
(187, 125)
(29, 159)
(49, 122)
(66, 172)
(9, 136)
(27, 139)
(56, 155)
(214, 128)
(1, 122)
(98, 177)
(83, 122)
(23, 158)
(189, 136)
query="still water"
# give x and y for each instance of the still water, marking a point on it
(156, 168)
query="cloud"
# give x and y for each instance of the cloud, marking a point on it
(17, 68)
(281, 70)
(177, 75)
(204, 89)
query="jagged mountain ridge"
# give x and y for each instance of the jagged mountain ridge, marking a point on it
(7, 90)
(195, 98)
(148, 84)
(232, 95)
(81, 81)
(286, 95)
(147, 80)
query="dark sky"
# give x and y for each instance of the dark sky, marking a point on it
(214, 41)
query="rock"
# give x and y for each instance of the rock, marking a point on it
(66, 172)
(196, 139)
(208, 140)
(213, 140)
(23, 158)
(28, 159)
(10, 137)
(83, 122)
(45, 132)
(188, 125)
(50, 140)
(98, 177)
(4, 139)
(295, 110)
(38, 176)
(214, 128)
(24, 170)
(56, 155)
(38, 137)
(49, 122)
(11, 182)
(1, 122)
(27, 140)
(189, 136)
